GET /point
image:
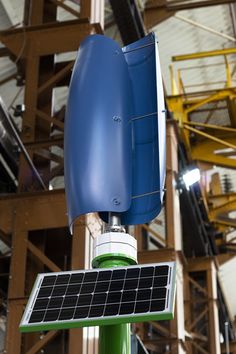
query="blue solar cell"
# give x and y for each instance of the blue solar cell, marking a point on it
(136, 290)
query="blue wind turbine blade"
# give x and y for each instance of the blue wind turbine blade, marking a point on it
(149, 131)
(115, 131)
(97, 130)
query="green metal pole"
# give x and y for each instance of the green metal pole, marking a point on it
(115, 339)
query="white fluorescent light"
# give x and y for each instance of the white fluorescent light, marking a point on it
(192, 176)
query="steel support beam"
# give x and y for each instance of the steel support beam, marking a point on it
(26, 213)
(16, 290)
(174, 235)
(208, 267)
(39, 210)
(174, 334)
(157, 11)
(34, 46)
(204, 152)
(47, 39)
(40, 344)
(38, 221)
(206, 54)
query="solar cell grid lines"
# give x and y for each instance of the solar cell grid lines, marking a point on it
(101, 296)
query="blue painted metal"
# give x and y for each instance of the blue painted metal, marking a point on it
(115, 160)
(98, 132)
(148, 173)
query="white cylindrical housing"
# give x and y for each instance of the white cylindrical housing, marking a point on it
(115, 243)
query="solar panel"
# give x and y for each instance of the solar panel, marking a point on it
(100, 296)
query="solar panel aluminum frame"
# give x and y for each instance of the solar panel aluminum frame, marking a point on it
(167, 314)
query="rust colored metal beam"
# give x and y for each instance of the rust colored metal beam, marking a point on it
(198, 318)
(163, 255)
(18, 261)
(26, 213)
(196, 285)
(154, 344)
(205, 271)
(85, 10)
(13, 335)
(47, 39)
(198, 4)
(40, 344)
(199, 336)
(41, 256)
(159, 341)
(5, 238)
(25, 176)
(200, 348)
(161, 329)
(155, 234)
(57, 77)
(225, 257)
(172, 201)
(156, 12)
(56, 171)
(214, 330)
(50, 119)
(49, 155)
(39, 210)
(41, 144)
(200, 264)
(138, 233)
(16, 288)
(33, 12)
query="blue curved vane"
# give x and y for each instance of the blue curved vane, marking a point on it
(115, 131)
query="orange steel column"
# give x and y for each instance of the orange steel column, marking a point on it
(207, 268)
(174, 236)
(213, 309)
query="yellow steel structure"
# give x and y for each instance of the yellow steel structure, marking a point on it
(206, 54)
(208, 144)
